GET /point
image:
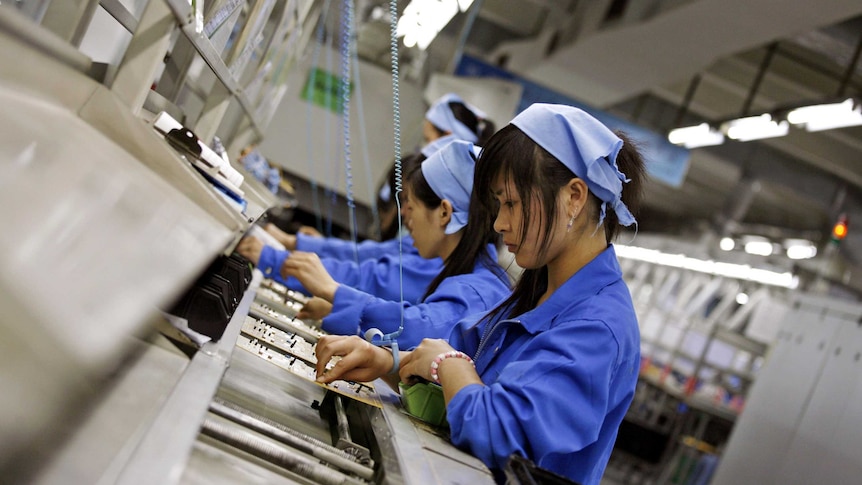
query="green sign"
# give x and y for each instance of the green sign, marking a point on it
(323, 89)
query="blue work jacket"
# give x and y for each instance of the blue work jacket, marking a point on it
(354, 312)
(380, 277)
(331, 247)
(558, 379)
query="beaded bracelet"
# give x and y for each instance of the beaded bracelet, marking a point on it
(445, 355)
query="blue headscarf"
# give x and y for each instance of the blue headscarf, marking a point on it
(449, 173)
(441, 116)
(434, 146)
(584, 145)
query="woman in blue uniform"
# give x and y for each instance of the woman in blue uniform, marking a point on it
(378, 272)
(438, 201)
(448, 119)
(379, 268)
(550, 372)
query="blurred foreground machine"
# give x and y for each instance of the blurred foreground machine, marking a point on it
(135, 348)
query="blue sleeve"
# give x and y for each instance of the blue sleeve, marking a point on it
(354, 311)
(547, 401)
(330, 247)
(270, 262)
(382, 277)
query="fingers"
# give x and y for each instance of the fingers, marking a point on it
(330, 346)
(309, 231)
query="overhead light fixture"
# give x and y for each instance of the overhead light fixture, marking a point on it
(758, 248)
(727, 244)
(755, 128)
(422, 20)
(701, 135)
(730, 270)
(827, 116)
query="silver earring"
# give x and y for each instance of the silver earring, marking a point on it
(571, 221)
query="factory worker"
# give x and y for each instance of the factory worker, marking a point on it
(381, 270)
(549, 373)
(397, 271)
(452, 116)
(448, 119)
(438, 204)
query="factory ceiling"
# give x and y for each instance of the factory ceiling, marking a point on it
(669, 63)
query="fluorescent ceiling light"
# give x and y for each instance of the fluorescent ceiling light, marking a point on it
(800, 249)
(701, 135)
(738, 271)
(759, 248)
(755, 128)
(827, 116)
(422, 20)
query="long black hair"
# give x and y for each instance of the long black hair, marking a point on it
(538, 175)
(481, 127)
(473, 246)
(407, 163)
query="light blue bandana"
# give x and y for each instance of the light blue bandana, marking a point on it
(434, 146)
(441, 116)
(449, 173)
(584, 145)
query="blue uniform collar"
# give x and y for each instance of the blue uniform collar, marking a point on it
(589, 280)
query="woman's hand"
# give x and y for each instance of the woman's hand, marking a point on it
(360, 361)
(315, 309)
(309, 231)
(418, 362)
(288, 240)
(307, 268)
(250, 248)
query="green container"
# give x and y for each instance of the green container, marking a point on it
(424, 400)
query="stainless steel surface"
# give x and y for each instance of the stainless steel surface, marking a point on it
(163, 451)
(293, 461)
(304, 443)
(423, 454)
(106, 437)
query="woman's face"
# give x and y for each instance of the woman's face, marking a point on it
(509, 224)
(425, 227)
(429, 133)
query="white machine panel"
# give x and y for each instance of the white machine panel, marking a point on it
(800, 423)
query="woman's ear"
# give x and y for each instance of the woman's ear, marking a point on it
(445, 212)
(577, 194)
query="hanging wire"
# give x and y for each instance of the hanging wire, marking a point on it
(344, 88)
(396, 122)
(391, 339)
(315, 59)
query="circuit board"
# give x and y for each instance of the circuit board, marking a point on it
(279, 320)
(295, 355)
(278, 302)
(283, 291)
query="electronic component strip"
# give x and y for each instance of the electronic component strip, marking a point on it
(284, 291)
(278, 302)
(283, 322)
(289, 343)
(363, 392)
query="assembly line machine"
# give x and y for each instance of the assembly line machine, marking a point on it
(135, 347)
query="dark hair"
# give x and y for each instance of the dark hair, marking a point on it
(481, 127)
(473, 246)
(407, 164)
(537, 175)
